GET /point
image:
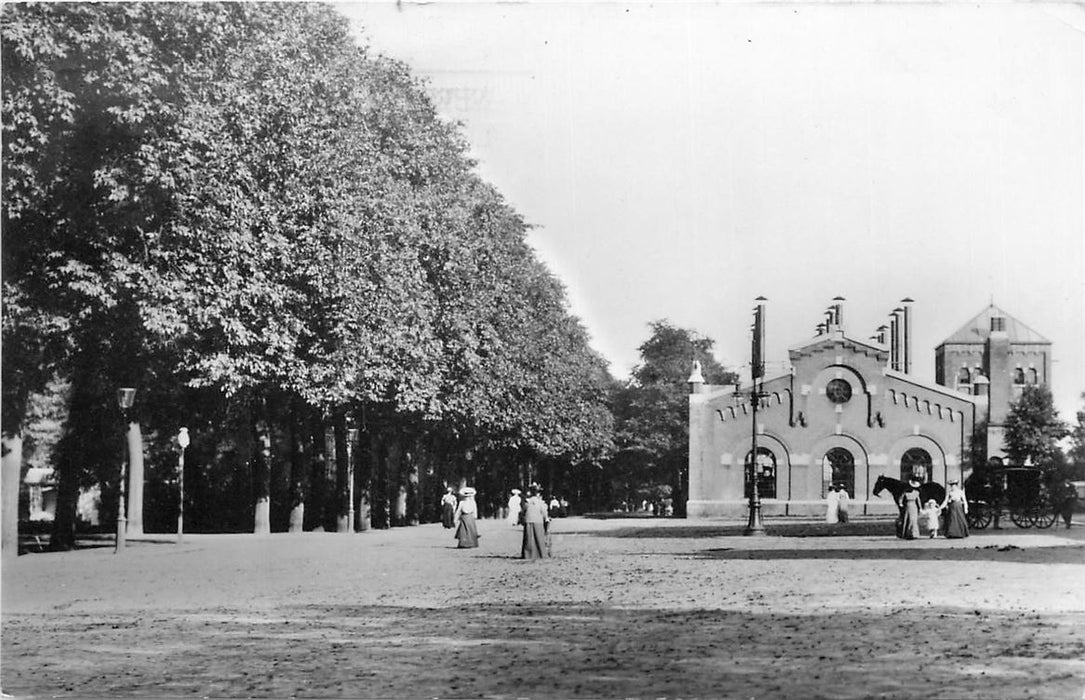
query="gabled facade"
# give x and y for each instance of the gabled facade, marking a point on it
(841, 415)
(993, 357)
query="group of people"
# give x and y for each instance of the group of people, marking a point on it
(837, 499)
(949, 517)
(459, 511)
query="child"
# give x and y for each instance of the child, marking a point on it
(931, 512)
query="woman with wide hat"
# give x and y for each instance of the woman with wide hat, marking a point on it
(956, 509)
(466, 513)
(909, 506)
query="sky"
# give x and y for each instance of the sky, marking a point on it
(679, 160)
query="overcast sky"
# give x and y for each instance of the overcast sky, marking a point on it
(678, 160)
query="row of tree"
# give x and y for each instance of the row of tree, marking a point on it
(268, 231)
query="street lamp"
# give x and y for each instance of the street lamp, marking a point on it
(183, 441)
(755, 526)
(126, 396)
(352, 435)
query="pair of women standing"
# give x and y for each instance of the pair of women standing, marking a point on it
(955, 507)
(836, 501)
(536, 518)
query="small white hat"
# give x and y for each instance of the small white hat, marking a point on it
(467, 491)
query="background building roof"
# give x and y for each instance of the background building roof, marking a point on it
(978, 329)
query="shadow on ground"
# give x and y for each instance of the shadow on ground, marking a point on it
(545, 650)
(1000, 553)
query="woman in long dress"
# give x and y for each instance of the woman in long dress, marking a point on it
(842, 502)
(513, 517)
(832, 505)
(448, 509)
(536, 518)
(909, 501)
(466, 512)
(956, 509)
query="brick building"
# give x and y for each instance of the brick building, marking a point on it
(848, 410)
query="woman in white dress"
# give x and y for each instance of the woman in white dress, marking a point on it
(513, 518)
(536, 518)
(832, 505)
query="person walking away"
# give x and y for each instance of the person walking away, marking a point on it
(956, 508)
(909, 529)
(931, 513)
(536, 520)
(448, 508)
(842, 499)
(1066, 501)
(832, 505)
(466, 515)
(513, 518)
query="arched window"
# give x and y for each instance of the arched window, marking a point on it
(1019, 376)
(766, 479)
(916, 462)
(838, 467)
(1033, 377)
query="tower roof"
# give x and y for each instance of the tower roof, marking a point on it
(977, 330)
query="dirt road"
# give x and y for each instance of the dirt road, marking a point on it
(626, 608)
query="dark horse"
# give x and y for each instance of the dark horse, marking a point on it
(927, 492)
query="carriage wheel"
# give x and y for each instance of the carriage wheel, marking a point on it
(1044, 517)
(979, 516)
(1021, 518)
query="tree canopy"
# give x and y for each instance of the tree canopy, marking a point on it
(227, 205)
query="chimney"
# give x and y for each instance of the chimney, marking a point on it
(906, 336)
(838, 312)
(896, 340)
(696, 379)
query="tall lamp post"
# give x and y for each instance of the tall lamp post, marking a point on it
(183, 442)
(352, 435)
(126, 396)
(755, 526)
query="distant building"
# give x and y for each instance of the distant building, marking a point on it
(993, 357)
(848, 410)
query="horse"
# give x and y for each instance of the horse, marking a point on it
(929, 491)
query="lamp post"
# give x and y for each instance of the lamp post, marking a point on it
(755, 526)
(352, 435)
(182, 441)
(126, 396)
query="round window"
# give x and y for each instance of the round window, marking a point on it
(838, 391)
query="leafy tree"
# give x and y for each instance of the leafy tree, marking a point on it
(1033, 429)
(1076, 454)
(652, 414)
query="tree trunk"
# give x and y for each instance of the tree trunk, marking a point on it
(135, 480)
(299, 464)
(363, 482)
(261, 474)
(317, 500)
(342, 475)
(413, 492)
(11, 465)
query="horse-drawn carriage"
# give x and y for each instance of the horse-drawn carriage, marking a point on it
(1023, 493)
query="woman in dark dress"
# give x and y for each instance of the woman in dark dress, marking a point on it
(466, 512)
(909, 501)
(956, 509)
(448, 509)
(536, 518)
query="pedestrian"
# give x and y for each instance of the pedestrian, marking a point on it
(555, 507)
(931, 513)
(536, 522)
(1066, 501)
(448, 508)
(513, 517)
(842, 499)
(466, 513)
(909, 501)
(832, 505)
(956, 508)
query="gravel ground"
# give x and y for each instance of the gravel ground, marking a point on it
(627, 608)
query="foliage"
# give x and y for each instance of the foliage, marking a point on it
(233, 207)
(1033, 429)
(1076, 454)
(652, 413)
